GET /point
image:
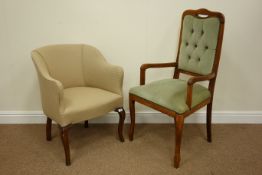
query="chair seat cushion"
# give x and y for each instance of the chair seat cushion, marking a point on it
(83, 103)
(171, 94)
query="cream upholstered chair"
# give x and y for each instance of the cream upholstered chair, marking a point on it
(198, 55)
(77, 84)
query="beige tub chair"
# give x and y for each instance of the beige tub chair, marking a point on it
(77, 84)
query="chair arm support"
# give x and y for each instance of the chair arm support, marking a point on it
(191, 82)
(153, 65)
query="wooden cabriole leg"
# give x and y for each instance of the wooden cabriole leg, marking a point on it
(86, 124)
(132, 117)
(48, 129)
(64, 138)
(122, 115)
(208, 124)
(179, 124)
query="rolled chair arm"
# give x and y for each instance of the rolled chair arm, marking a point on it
(105, 76)
(50, 88)
(113, 78)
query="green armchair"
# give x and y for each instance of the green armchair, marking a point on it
(198, 55)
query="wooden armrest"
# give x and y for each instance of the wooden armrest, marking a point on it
(153, 65)
(157, 65)
(191, 82)
(194, 79)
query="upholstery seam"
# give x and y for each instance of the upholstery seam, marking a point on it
(43, 61)
(82, 60)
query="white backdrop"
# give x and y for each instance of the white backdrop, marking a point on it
(128, 33)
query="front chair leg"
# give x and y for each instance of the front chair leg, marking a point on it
(179, 123)
(48, 129)
(208, 124)
(132, 117)
(86, 124)
(122, 115)
(64, 138)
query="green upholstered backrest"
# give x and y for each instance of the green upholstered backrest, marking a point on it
(198, 44)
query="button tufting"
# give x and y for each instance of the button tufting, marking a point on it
(198, 59)
(189, 57)
(202, 32)
(206, 47)
(192, 31)
(195, 45)
(186, 43)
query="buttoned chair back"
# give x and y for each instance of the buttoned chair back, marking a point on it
(198, 46)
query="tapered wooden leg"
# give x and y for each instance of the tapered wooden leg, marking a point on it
(122, 115)
(179, 123)
(64, 138)
(86, 124)
(132, 118)
(208, 124)
(48, 129)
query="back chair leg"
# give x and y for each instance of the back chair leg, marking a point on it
(132, 117)
(208, 124)
(86, 124)
(179, 124)
(64, 138)
(122, 115)
(48, 129)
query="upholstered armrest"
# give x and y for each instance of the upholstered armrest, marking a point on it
(191, 82)
(153, 65)
(105, 76)
(51, 89)
(113, 78)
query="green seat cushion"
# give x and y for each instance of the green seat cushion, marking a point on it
(171, 94)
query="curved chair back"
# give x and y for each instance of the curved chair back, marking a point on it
(73, 65)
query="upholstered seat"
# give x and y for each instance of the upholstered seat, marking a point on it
(84, 103)
(77, 84)
(171, 94)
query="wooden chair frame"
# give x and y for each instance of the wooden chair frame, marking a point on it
(179, 118)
